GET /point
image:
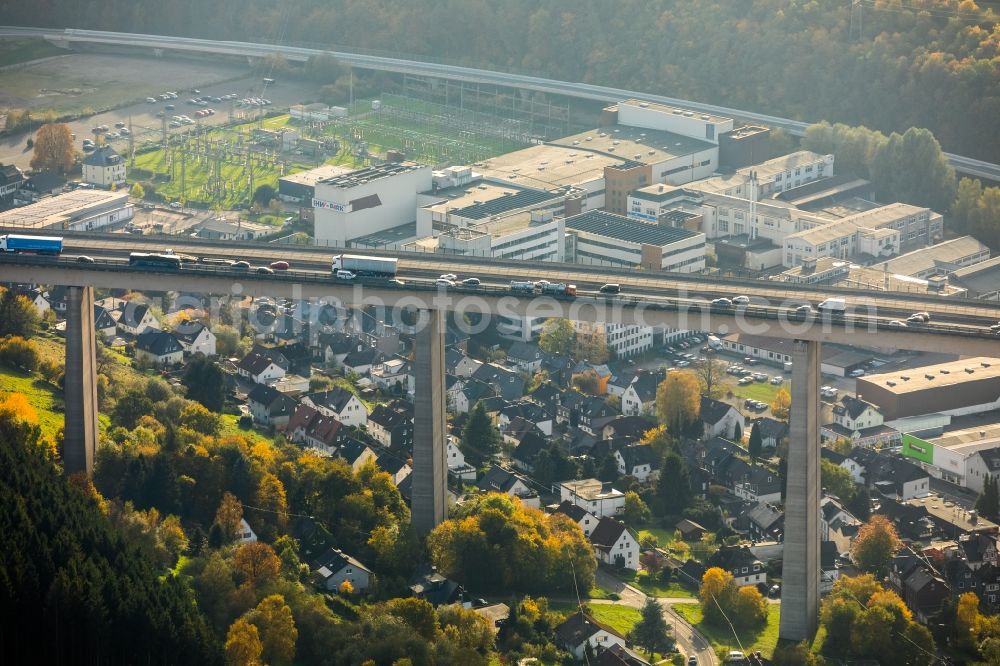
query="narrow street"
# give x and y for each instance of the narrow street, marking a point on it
(689, 641)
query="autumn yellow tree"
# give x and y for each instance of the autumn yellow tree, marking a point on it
(678, 401)
(256, 562)
(591, 345)
(875, 544)
(782, 404)
(228, 516)
(53, 148)
(969, 621)
(243, 646)
(273, 619)
(271, 496)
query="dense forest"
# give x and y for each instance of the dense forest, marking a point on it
(922, 63)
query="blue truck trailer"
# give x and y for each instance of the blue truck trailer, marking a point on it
(33, 244)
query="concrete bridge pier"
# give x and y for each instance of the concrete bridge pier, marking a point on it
(80, 389)
(429, 501)
(801, 558)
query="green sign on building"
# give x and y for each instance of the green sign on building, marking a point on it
(918, 449)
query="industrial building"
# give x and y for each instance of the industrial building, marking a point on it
(79, 210)
(771, 177)
(606, 239)
(949, 455)
(842, 273)
(980, 280)
(300, 187)
(368, 201)
(956, 388)
(940, 259)
(843, 239)
(743, 146)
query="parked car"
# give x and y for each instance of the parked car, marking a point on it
(857, 373)
(777, 379)
(150, 100)
(745, 380)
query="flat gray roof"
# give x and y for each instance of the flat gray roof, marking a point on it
(635, 143)
(603, 223)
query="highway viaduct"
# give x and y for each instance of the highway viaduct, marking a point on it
(801, 564)
(157, 44)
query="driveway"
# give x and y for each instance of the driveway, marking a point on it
(689, 641)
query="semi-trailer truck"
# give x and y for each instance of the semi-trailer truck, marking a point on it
(33, 244)
(360, 266)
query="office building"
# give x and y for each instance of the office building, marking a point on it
(606, 239)
(940, 259)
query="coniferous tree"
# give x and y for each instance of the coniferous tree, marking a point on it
(756, 442)
(988, 504)
(480, 438)
(651, 632)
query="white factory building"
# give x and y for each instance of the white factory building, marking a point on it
(771, 177)
(625, 340)
(649, 115)
(368, 201)
(79, 210)
(605, 239)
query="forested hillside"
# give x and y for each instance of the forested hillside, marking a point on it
(924, 63)
(71, 589)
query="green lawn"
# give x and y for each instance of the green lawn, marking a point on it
(764, 639)
(618, 617)
(655, 588)
(664, 536)
(46, 400)
(230, 426)
(763, 391)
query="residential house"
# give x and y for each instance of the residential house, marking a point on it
(720, 419)
(260, 368)
(528, 411)
(617, 655)
(158, 348)
(394, 466)
(897, 477)
(500, 480)
(334, 347)
(639, 461)
(104, 167)
(311, 428)
(269, 406)
(457, 466)
(859, 421)
(334, 568)
(579, 515)
(568, 409)
(464, 395)
(361, 361)
(982, 467)
(195, 337)
(547, 396)
(829, 570)
(245, 534)
(339, 403)
(508, 383)
(558, 367)
(924, 592)
(614, 544)
(594, 414)
(136, 318)
(772, 431)
(105, 324)
(690, 530)
(33, 294)
(525, 357)
(765, 522)
(857, 462)
(392, 426)
(527, 450)
(580, 630)
(912, 522)
(435, 589)
(741, 563)
(11, 179)
(295, 357)
(978, 549)
(57, 299)
(627, 428)
(837, 524)
(356, 453)
(757, 484)
(459, 364)
(640, 395)
(598, 497)
(390, 373)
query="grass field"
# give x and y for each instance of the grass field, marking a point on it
(763, 391)
(663, 535)
(764, 639)
(618, 617)
(655, 588)
(45, 399)
(15, 51)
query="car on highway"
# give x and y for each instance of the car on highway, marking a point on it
(345, 275)
(150, 100)
(735, 656)
(741, 300)
(241, 265)
(264, 270)
(84, 259)
(804, 310)
(471, 282)
(895, 323)
(444, 282)
(919, 318)
(722, 302)
(611, 288)
(995, 328)
(279, 265)
(397, 282)
(541, 284)
(448, 276)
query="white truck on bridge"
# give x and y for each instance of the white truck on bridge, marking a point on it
(360, 266)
